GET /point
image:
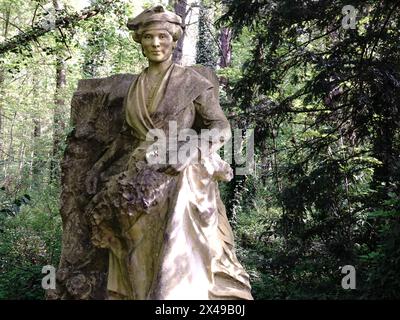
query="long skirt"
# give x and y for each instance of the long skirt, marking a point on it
(168, 236)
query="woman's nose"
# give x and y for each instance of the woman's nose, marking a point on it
(156, 42)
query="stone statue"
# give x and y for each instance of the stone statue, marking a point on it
(162, 223)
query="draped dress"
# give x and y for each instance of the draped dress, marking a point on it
(168, 235)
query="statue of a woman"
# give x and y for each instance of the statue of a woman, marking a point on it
(164, 223)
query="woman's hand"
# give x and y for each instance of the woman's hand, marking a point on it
(169, 169)
(175, 169)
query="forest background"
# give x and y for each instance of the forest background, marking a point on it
(319, 85)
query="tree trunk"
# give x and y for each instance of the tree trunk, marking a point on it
(225, 38)
(1, 111)
(58, 119)
(10, 150)
(180, 10)
(36, 157)
(2, 78)
(59, 105)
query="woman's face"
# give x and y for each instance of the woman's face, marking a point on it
(158, 45)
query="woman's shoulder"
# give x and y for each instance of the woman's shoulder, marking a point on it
(199, 74)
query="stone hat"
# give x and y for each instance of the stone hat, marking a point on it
(157, 14)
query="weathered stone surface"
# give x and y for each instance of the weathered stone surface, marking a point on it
(97, 117)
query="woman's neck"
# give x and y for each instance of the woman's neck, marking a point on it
(159, 67)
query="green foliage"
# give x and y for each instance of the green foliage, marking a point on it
(381, 264)
(29, 240)
(324, 102)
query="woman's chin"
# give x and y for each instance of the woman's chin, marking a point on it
(157, 58)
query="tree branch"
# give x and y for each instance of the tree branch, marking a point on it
(65, 21)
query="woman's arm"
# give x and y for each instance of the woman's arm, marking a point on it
(213, 130)
(210, 116)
